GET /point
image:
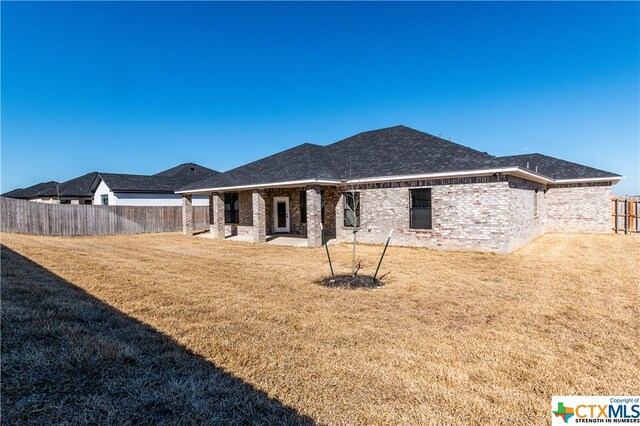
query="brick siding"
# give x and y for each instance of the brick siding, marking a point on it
(468, 214)
(528, 215)
(487, 214)
(579, 208)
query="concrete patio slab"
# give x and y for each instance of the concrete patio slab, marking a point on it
(291, 240)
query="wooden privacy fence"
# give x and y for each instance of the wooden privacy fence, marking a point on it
(624, 214)
(28, 217)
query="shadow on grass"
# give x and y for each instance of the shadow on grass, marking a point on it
(68, 358)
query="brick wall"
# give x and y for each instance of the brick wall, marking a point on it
(331, 197)
(489, 214)
(245, 219)
(295, 222)
(528, 214)
(579, 208)
(468, 214)
(259, 223)
(187, 215)
(314, 222)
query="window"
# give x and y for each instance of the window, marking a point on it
(351, 209)
(420, 209)
(303, 206)
(88, 201)
(105, 199)
(65, 201)
(231, 208)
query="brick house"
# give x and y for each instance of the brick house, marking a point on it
(432, 192)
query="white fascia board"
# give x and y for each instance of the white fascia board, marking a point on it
(515, 171)
(447, 175)
(528, 174)
(288, 184)
(613, 179)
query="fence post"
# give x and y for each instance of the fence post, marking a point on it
(616, 214)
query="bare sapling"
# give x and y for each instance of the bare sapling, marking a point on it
(353, 219)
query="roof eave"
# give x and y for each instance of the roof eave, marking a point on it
(287, 184)
(142, 191)
(612, 179)
(514, 171)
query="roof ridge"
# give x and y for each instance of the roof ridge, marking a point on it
(415, 131)
(132, 174)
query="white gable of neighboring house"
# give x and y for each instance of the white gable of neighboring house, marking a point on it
(101, 190)
(142, 199)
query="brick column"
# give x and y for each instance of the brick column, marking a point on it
(187, 215)
(216, 214)
(259, 217)
(314, 216)
(211, 213)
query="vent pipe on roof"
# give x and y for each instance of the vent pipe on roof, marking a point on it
(536, 169)
(527, 164)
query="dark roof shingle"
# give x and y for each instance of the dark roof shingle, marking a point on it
(552, 167)
(35, 191)
(81, 186)
(188, 173)
(393, 151)
(118, 182)
(306, 161)
(400, 150)
(165, 182)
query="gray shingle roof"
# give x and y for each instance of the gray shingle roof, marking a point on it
(13, 193)
(393, 151)
(118, 182)
(306, 161)
(386, 152)
(553, 167)
(400, 150)
(34, 191)
(188, 173)
(165, 182)
(76, 187)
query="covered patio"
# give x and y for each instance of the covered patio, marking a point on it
(291, 240)
(284, 215)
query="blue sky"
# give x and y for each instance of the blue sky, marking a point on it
(141, 87)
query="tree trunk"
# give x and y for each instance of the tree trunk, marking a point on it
(353, 256)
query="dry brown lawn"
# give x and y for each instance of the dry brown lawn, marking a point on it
(165, 328)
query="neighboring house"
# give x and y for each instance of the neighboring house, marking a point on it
(119, 189)
(77, 190)
(429, 191)
(74, 191)
(145, 190)
(38, 192)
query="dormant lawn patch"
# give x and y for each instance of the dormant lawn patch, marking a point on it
(150, 327)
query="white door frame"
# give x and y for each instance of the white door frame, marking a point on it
(275, 214)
